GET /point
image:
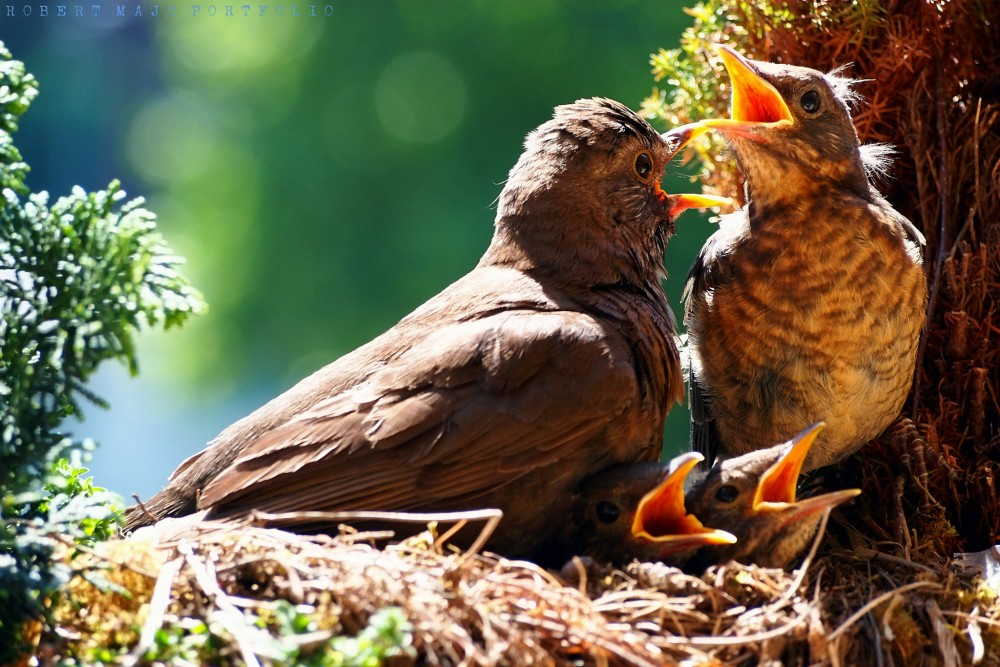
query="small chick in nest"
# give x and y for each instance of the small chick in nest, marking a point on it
(640, 510)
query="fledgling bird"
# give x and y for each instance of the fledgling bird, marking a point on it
(555, 357)
(753, 496)
(807, 304)
(642, 510)
(637, 511)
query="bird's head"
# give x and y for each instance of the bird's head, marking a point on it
(754, 497)
(788, 121)
(637, 511)
(586, 192)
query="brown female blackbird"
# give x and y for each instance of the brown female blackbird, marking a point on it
(637, 511)
(552, 359)
(807, 304)
(753, 497)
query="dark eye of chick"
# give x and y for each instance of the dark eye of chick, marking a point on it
(607, 512)
(727, 493)
(643, 165)
(810, 101)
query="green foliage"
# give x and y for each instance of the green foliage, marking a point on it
(78, 278)
(188, 641)
(693, 91)
(388, 634)
(17, 89)
(67, 483)
(284, 635)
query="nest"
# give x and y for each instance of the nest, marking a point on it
(467, 608)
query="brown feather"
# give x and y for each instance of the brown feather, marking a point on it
(807, 304)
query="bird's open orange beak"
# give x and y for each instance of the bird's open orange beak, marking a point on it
(776, 488)
(756, 104)
(661, 516)
(676, 139)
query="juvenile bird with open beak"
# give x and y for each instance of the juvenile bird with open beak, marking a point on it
(743, 509)
(807, 304)
(554, 358)
(753, 496)
(638, 511)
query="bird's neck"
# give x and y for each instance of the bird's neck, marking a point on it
(609, 282)
(802, 191)
(576, 254)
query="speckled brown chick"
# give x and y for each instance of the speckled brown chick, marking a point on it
(807, 304)
(636, 511)
(753, 497)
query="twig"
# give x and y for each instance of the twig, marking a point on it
(940, 254)
(158, 605)
(93, 553)
(871, 604)
(142, 508)
(872, 554)
(210, 586)
(800, 574)
(971, 617)
(737, 641)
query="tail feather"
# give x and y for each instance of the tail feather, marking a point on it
(167, 503)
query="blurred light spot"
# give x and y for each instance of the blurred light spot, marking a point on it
(171, 138)
(420, 97)
(238, 48)
(257, 63)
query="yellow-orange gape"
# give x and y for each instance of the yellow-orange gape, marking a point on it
(745, 508)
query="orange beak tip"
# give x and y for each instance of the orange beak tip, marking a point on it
(756, 103)
(693, 540)
(777, 485)
(825, 501)
(685, 462)
(701, 201)
(735, 126)
(720, 537)
(678, 137)
(727, 52)
(681, 203)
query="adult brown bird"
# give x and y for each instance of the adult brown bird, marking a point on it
(637, 511)
(807, 304)
(753, 496)
(552, 359)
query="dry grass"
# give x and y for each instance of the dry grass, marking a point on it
(468, 608)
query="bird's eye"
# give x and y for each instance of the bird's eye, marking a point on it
(607, 512)
(643, 165)
(727, 493)
(810, 101)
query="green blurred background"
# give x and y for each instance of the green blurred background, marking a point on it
(323, 176)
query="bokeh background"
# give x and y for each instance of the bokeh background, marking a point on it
(322, 176)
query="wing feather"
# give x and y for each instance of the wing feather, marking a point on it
(472, 409)
(710, 269)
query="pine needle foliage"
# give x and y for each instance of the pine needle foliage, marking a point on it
(78, 278)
